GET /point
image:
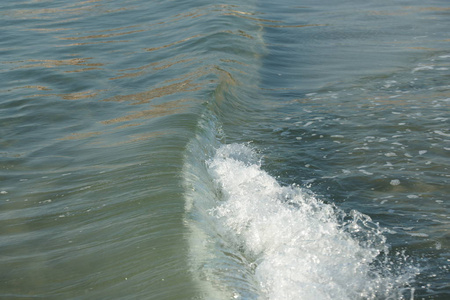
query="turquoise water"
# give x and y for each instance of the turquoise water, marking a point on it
(233, 150)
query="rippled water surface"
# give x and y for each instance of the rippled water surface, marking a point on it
(227, 150)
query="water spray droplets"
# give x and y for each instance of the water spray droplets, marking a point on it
(301, 247)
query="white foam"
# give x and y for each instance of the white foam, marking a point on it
(395, 182)
(441, 133)
(298, 246)
(366, 172)
(422, 67)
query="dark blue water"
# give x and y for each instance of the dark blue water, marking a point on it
(197, 150)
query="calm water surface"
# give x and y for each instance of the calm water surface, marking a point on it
(229, 150)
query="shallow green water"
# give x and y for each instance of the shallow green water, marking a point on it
(111, 114)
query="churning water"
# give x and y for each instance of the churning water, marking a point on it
(229, 150)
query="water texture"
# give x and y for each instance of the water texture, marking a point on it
(228, 150)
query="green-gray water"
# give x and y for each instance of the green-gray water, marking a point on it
(229, 150)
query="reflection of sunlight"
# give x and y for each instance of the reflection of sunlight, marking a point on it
(160, 110)
(52, 63)
(147, 96)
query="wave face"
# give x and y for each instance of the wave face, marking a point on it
(323, 176)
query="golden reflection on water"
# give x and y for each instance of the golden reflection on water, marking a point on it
(168, 65)
(78, 95)
(138, 138)
(37, 87)
(246, 16)
(78, 136)
(93, 43)
(174, 43)
(48, 29)
(52, 63)
(157, 66)
(129, 75)
(96, 36)
(241, 33)
(147, 96)
(159, 110)
(64, 96)
(294, 26)
(184, 82)
(39, 13)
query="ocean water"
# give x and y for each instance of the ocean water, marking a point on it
(224, 150)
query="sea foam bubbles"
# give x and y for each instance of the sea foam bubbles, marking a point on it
(297, 246)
